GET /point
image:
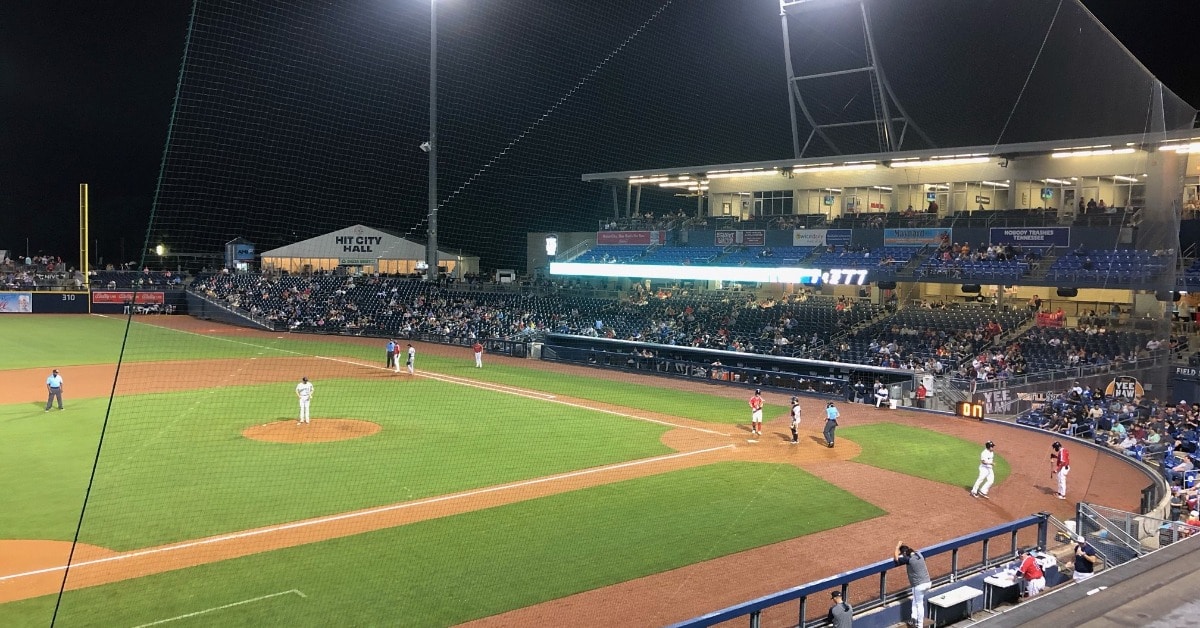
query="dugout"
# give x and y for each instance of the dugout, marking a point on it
(790, 375)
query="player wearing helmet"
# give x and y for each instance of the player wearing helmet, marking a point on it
(987, 473)
(756, 409)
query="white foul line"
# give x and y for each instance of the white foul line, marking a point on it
(450, 379)
(360, 513)
(220, 608)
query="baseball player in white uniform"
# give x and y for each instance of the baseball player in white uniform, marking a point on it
(795, 420)
(412, 360)
(304, 391)
(987, 473)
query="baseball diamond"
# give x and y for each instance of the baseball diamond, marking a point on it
(544, 480)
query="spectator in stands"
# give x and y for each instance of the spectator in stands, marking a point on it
(1035, 304)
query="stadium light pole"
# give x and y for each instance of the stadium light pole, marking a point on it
(431, 244)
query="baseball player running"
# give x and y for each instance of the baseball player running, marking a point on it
(304, 391)
(795, 420)
(1060, 465)
(756, 407)
(987, 474)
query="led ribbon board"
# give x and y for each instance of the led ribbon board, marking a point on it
(838, 276)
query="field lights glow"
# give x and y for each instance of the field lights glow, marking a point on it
(837, 276)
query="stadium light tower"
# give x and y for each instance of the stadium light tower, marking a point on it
(885, 114)
(431, 244)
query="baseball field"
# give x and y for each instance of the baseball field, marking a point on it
(520, 493)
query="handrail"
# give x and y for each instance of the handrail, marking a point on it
(754, 608)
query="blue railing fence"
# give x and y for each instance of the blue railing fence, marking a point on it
(879, 584)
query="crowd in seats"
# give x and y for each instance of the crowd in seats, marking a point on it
(995, 263)
(1030, 217)
(729, 320)
(767, 256)
(37, 272)
(612, 254)
(110, 279)
(1117, 266)
(1142, 428)
(882, 262)
(935, 337)
(645, 222)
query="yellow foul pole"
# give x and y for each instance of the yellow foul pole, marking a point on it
(83, 230)
(83, 241)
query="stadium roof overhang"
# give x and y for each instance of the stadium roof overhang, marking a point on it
(1186, 141)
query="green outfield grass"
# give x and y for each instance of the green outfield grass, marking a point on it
(71, 340)
(175, 467)
(921, 453)
(446, 571)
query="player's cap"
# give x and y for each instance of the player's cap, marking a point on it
(54, 372)
(304, 379)
(835, 593)
(989, 444)
(757, 391)
(795, 399)
(1194, 513)
(829, 405)
(1079, 538)
(1056, 445)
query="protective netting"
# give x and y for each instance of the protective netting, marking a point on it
(296, 120)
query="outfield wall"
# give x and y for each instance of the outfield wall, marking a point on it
(44, 302)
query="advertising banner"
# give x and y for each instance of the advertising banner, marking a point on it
(808, 237)
(821, 237)
(914, 237)
(630, 237)
(1124, 387)
(748, 237)
(16, 303)
(1044, 236)
(143, 298)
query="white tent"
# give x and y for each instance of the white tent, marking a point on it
(362, 249)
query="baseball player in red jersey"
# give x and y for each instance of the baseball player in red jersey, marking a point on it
(756, 406)
(478, 349)
(1060, 465)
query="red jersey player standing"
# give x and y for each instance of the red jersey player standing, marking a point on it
(1060, 465)
(478, 349)
(756, 406)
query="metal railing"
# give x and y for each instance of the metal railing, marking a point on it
(879, 571)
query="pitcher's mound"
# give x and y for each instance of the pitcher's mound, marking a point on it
(319, 431)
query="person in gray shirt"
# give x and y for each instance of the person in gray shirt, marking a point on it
(918, 577)
(840, 614)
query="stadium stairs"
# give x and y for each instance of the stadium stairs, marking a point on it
(908, 272)
(1042, 268)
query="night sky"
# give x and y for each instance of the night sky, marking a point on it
(88, 89)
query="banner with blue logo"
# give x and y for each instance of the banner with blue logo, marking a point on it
(914, 236)
(1038, 236)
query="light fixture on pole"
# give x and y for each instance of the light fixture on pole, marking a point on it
(430, 146)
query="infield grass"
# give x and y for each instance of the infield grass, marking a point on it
(175, 466)
(921, 453)
(447, 571)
